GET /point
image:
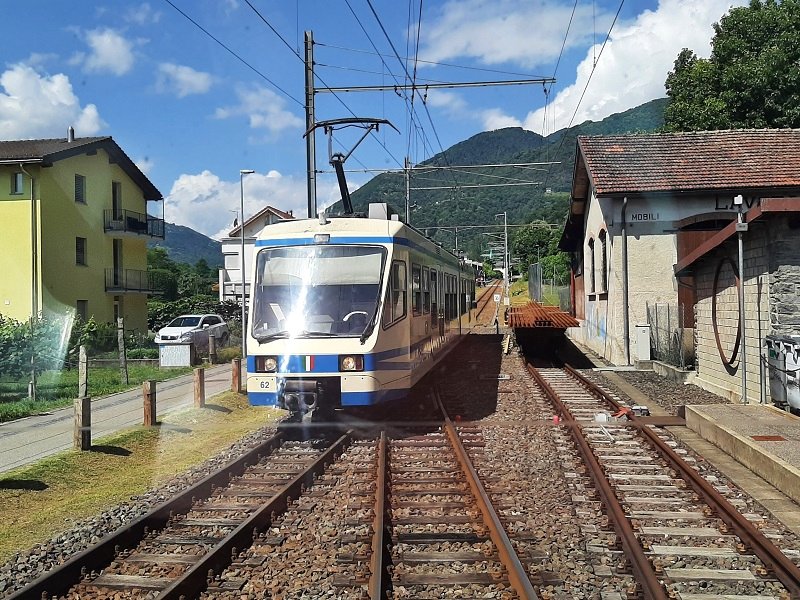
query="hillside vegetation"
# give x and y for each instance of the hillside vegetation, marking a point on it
(547, 201)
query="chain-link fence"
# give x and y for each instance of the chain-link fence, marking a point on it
(671, 334)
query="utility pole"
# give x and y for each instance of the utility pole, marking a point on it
(311, 151)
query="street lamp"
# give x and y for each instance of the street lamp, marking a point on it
(242, 173)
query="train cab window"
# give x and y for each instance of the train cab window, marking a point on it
(416, 289)
(426, 290)
(395, 306)
(316, 291)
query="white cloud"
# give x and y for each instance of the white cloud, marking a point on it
(495, 118)
(634, 63)
(145, 164)
(263, 108)
(142, 14)
(110, 53)
(209, 204)
(182, 80)
(33, 105)
(451, 102)
(496, 31)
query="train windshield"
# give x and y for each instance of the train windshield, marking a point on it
(316, 291)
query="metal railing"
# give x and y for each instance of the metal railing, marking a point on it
(131, 280)
(671, 337)
(128, 221)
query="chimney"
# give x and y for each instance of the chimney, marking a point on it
(71, 134)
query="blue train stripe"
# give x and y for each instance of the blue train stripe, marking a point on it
(370, 398)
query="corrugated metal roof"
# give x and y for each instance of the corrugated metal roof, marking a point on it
(535, 314)
(698, 160)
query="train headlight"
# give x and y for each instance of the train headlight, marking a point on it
(351, 362)
(266, 364)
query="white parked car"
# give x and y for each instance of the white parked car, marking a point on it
(194, 328)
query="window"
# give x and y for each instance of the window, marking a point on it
(116, 199)
(603, 263)
(395, 307)
(82, 310)
(80, 189)
(592, 288)
(416, 289)
(80, 251)
(17, 183)
(426, 290)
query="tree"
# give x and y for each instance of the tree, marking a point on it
(752, 78)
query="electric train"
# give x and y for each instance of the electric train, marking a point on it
(350, 312)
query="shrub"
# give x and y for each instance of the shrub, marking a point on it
(142, 353)
(229, 353)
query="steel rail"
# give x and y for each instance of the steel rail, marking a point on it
(58, 581)
(195, 580)
(774, 560)
(517, 576)
(376, 582)
(643, 570)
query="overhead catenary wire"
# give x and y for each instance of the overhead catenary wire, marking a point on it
(238, 57)
(588, 81)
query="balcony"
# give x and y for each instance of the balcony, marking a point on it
(131, 281)
(126, 223)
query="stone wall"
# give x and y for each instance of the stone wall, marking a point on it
(771, 287)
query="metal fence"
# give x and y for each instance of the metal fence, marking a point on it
(671, 334)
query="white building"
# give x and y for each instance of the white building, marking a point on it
(230, 277)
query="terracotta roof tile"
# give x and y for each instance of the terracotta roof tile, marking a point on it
(701, 160)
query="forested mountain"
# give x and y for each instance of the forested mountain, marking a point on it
(186, 245)
(461, 205)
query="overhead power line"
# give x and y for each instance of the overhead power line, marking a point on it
(238, 57)
(433, 86)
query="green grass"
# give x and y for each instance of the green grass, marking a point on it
(56, 389)
(47, 497)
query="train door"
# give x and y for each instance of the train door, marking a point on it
(434, 299)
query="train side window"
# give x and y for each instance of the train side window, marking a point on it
(426, 290)
(434, 296)
(396, 305)
(416, 291)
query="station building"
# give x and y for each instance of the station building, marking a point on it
(652, 224)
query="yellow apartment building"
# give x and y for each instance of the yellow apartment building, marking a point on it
(75, 227)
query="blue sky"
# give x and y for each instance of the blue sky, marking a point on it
(191, 114)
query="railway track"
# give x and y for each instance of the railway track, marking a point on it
(447, 539)
(485, 301)
(678, 535)
(173, 551)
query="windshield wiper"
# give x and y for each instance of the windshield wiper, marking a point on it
(278, 334)
(286, 333)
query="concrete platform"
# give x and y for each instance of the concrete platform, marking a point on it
(763, 438)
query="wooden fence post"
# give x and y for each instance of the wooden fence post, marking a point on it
(236, 375)
(149, 393)
(82, 433)
(123, 361)
(212, 348)
(199, 388)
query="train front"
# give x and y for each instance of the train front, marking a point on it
(313, 320)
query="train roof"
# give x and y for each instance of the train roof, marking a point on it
(347, 226)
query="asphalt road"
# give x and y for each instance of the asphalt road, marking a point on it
(27, 440)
